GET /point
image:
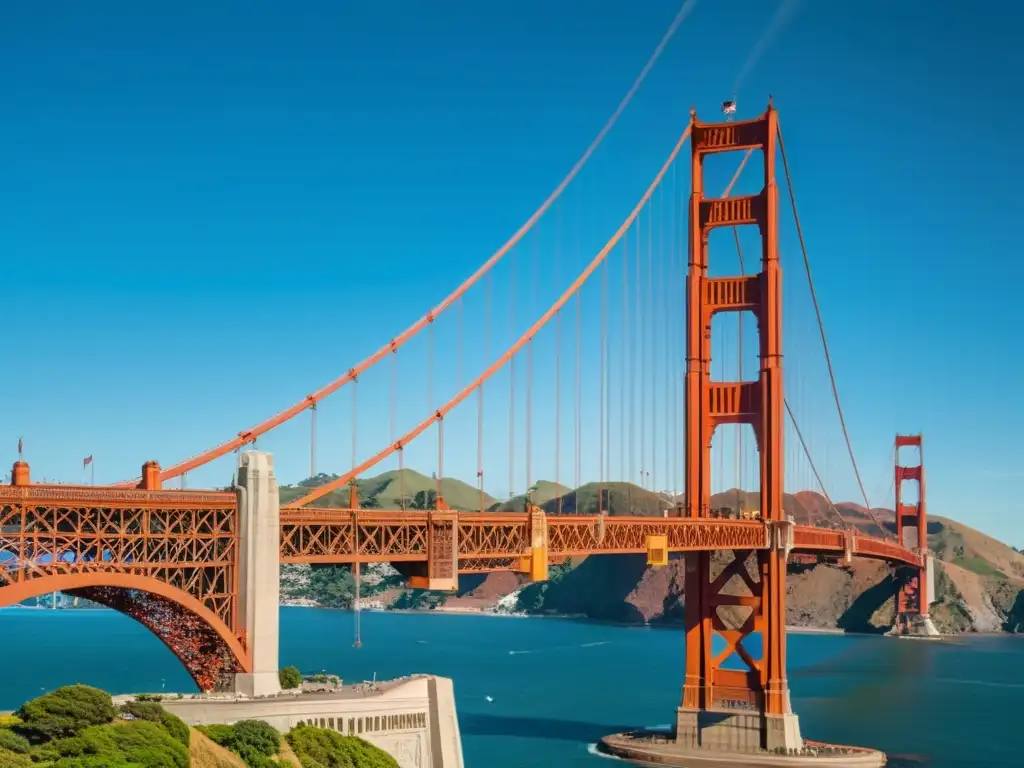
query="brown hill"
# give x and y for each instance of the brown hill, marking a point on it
(979, 580)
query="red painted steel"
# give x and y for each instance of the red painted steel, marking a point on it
(751, 586)
(912, 598)
(169, 558)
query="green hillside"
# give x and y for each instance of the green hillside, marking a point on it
(386, 491)
(542, 492)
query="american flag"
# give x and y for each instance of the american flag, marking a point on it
(729, 107)
(86, 461)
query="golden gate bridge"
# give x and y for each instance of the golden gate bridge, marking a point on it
(649, 386)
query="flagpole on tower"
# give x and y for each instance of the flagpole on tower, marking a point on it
(729, 109)
(88, 462)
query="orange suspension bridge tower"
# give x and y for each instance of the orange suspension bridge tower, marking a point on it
(730, 715)
(917, 589)
(760, 688)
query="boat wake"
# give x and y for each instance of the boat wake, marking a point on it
(592, 749)
(560, 648)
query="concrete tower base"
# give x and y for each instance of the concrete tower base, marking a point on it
(915, 625)
(710, 739)
(660, 749)
(737, 731)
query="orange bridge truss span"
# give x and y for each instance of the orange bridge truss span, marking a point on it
(497, 542)
(168, 559)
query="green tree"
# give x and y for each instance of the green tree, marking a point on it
(420, 599)
(143, 710)
(64, 712)
(255, 741)
(152, 711)
(332, 586)
(290, 678)
(424, 500)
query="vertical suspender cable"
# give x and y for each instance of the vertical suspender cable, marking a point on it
(312, 444)
(558, 362)
(439, 497)
(604, 385)
(355, 390)
(623, 358)
(512, 385)
(558, 402)
(637, 350)
(577, 405)
(529, 412)
(480, 444)
(458, 364)
(665, 411)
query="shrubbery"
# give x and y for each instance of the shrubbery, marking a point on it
(10, 759)
(290, 677)
(252, 740)
(76, 727)
(176, 727)
(142, 709)
(138, 742)
(13, 742)
(64, 712)
(320, 748)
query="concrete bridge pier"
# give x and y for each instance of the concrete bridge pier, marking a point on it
(917, 623)
(259, 572)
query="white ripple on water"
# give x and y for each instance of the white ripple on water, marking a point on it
(592, 748)
(983, 683)
(560, 648)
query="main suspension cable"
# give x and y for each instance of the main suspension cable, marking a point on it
(792, 417)
(511, 351)
(821, 330)
(250, 435)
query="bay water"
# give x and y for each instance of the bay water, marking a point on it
(541, 692)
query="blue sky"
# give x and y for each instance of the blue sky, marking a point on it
(208, 212)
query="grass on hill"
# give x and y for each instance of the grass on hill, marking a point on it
(974, 551)
(204, 753)
(543, 492)
(617, 498)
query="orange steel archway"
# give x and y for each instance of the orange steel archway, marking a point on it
(204, 644)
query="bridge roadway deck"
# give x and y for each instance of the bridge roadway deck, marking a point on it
(497, 541)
